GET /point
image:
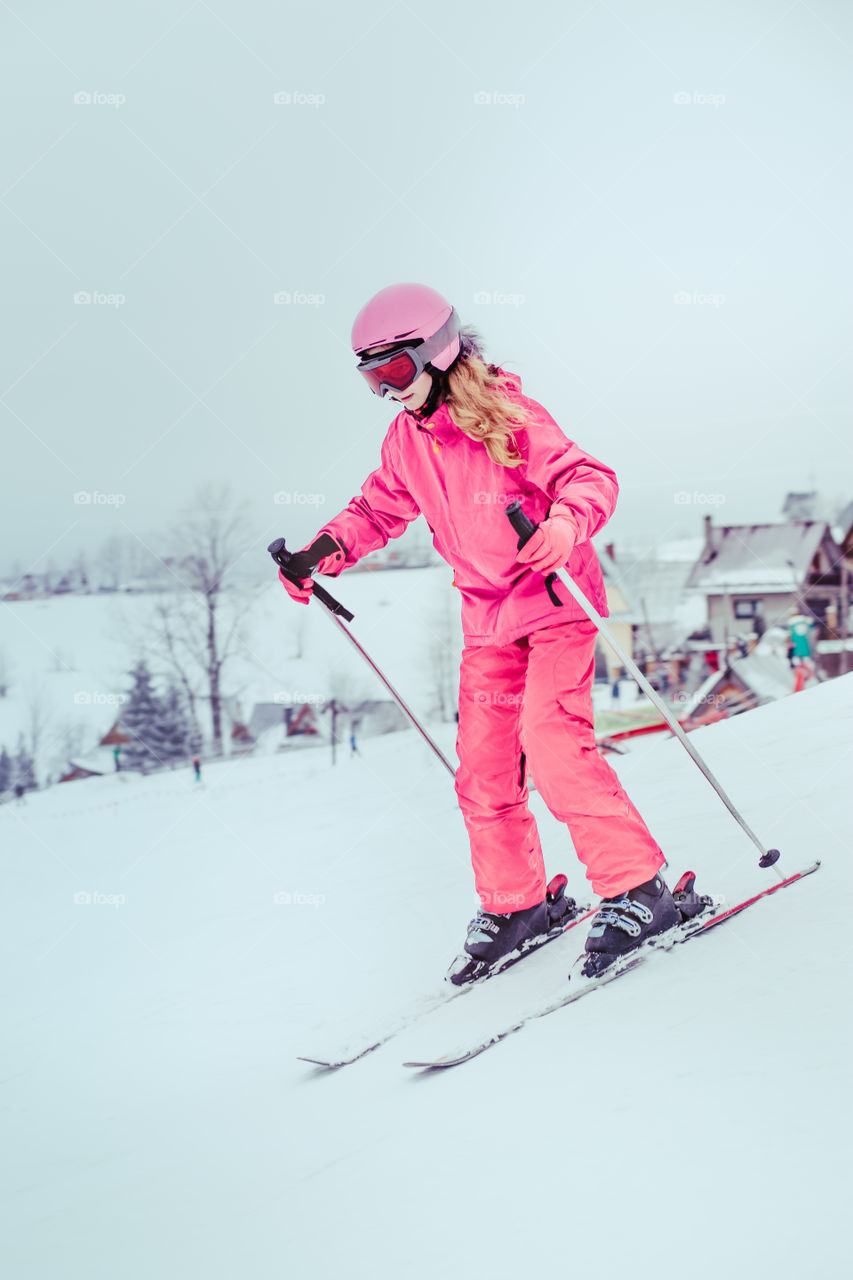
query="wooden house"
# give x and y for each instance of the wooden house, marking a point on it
(754, 576)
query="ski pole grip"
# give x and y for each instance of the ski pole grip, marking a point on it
(284, 559)
(525, 528)
(523, 525)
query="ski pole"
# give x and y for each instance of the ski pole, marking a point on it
(337, 612)
(525, 528)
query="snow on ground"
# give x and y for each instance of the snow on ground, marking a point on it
(168, 949)
(70, 655)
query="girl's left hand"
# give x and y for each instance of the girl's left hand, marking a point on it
(550, 546)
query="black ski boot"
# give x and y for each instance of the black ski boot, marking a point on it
(623, 923)
(496, 941)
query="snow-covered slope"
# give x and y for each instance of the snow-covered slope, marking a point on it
(169, 949)
(69, 656)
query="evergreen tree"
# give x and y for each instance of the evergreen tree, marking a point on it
(195, 740)
(24, 767)
(5, 771)
(141, 720)
(174, 729)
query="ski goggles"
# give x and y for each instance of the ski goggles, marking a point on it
(397, 369)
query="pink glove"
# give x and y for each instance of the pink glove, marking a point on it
(551, 544)
(332, 564)
(300, 594)
(329, 563)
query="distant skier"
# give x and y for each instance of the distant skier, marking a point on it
(465, 443)
(800, 629)
(116, 751)
(19, 792)
(353, 748)
(197, 768)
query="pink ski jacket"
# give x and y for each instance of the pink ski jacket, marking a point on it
(433, 469)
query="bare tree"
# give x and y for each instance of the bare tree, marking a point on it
(39, 719)
(443, 658)
(71, 740)
(81, 566)
(6, 668)
(39, 723)
(200, 631)
(173, 620)
(111, 561)
(297, 630)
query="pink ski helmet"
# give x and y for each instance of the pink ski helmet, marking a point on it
(411, 313)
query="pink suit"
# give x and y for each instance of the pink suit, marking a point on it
(527, 665)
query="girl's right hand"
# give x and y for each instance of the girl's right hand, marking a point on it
(301, 592)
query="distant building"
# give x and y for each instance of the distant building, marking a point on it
(94, 764)
(753, 576)
(843, 531)
(242, 741)
(76, 771)
(651, 612)
(305, 720)
(623, 616)
(27, 587)
(115, 736)
(801, 506)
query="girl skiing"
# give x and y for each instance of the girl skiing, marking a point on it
(465, 444)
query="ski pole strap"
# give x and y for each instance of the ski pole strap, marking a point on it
(289, 563)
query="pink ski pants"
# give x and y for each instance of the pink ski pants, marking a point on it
(533, 696)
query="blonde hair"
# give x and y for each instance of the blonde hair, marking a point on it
(476, 397)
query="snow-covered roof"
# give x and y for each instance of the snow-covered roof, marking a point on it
(100, 760)
(653, 588)
(767, 675)
(757, 558)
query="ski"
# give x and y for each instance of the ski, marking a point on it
(347, 1053)
(707, 918)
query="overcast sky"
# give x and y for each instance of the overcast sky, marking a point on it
(645, 208)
